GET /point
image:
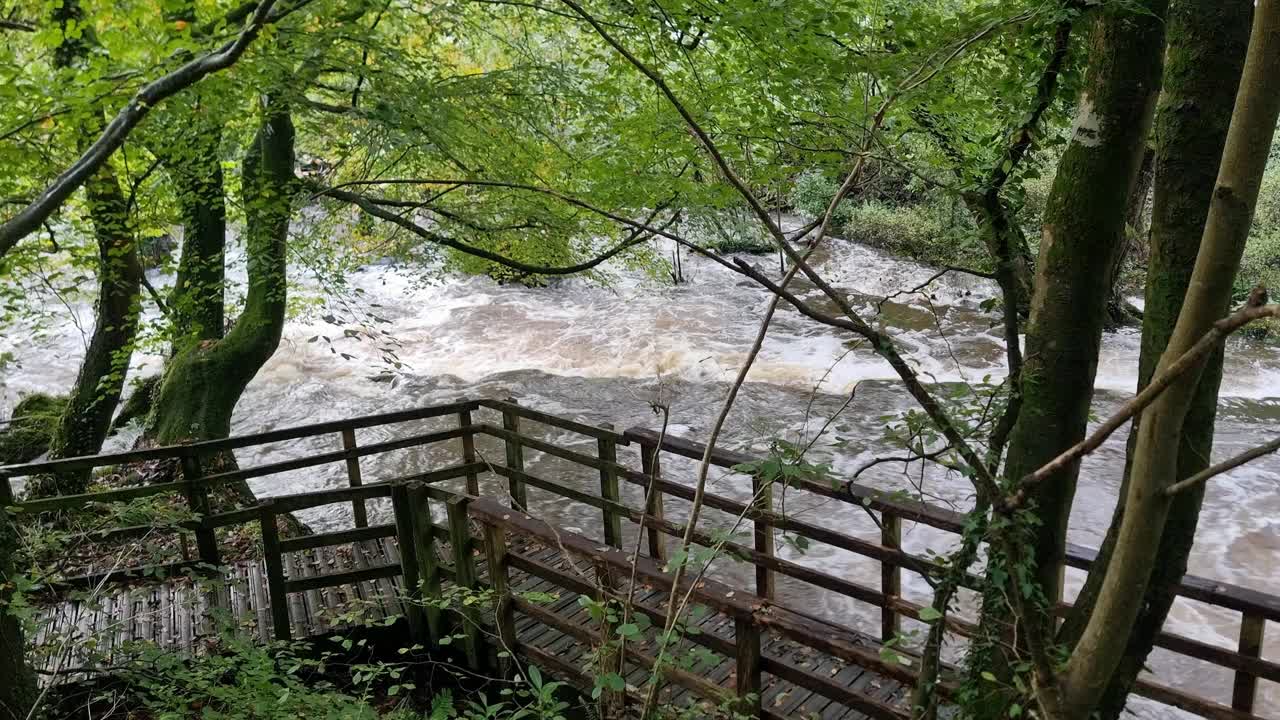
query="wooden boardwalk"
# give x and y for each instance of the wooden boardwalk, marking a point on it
(183, 617)
(486, 457)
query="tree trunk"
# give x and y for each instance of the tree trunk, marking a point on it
(93, 398)
(1207, 42)
(1156, 454)
(204, 381)
(1083, 231)
(197, 301)
(18, 691)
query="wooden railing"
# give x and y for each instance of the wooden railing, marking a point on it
(518, 431)
(1256, 608)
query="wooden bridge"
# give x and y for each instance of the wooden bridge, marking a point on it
(468, 518)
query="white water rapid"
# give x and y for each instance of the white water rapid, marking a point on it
(602, 353)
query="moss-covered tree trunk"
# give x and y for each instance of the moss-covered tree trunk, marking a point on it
(18, 689)
(1083, 231)
(93, 399)
(1156, 454)
(204, 380)
(1207, 41)
(197, 301)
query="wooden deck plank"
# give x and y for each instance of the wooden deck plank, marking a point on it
(367, 591)
(171, 615)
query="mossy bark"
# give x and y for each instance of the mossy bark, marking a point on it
(18, 690)
(196, 303)
(1084, 228)
(204, 380)
(1156, 454)
(1083, 231)
(1207, 42)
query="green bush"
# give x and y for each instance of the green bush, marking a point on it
(811, 194)
(934, 233)
(1261, 261)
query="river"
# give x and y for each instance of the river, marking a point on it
(604, 352)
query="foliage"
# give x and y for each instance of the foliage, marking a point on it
(727, 231)
(935, 233)
(1261, 261)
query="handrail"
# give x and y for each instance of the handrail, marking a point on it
(1213, 592)
(206, 447)
(555, 420)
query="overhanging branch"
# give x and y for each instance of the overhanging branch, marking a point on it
(113, 136)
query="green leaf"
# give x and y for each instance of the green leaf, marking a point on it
(929, 614)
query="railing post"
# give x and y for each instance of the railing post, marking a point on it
(495, 547)
(611, 704)
(608, 452)
(762, 506)
(198, 500)
(651, 466)
(353, 476)
(1252, 628)
(424, 549)
(515, 459)
(890, 576)
(276, 594)
(464, 568)
(749, 686)
(402, 510)
(469, 452)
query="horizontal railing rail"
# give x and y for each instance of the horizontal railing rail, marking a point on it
(236, 442)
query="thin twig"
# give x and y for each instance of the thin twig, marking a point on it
(1224, 466)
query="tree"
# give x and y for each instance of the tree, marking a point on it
(1207, 42)
(92, 400)
(205, 379)
(1148, 501)
(114, 134)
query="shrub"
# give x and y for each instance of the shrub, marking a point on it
(935, 233)
(811, 194)
(1261, 261)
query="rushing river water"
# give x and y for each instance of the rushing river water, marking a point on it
(605, 353)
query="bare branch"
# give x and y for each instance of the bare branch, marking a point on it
(372, 207)
(1224, 466)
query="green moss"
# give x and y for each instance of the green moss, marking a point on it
(32, 427)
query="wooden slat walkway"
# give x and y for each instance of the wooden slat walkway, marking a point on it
(180, 615)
